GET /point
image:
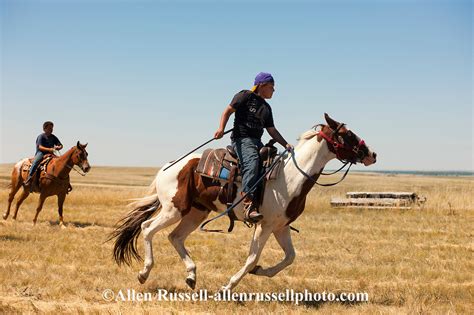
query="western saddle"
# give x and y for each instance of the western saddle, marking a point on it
(222, 165)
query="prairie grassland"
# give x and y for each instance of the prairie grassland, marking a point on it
(408, 261)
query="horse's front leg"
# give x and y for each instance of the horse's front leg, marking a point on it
(41, 200)
(61, 198)
(283, 237)
(259, 240)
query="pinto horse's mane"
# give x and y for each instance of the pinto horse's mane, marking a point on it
(305, 136)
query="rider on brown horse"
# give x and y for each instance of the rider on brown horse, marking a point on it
(45, 143)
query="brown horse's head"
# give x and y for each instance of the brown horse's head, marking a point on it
(79, 157)
(346, 144)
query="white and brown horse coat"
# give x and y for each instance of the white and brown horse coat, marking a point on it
(184, 196)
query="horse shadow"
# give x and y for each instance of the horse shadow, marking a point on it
(76, 224)
(11, 238)
(318, 304)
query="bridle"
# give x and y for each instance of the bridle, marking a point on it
(339, 146)
(345, 153)
(82, 173)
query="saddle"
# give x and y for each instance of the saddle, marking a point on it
(41, 168)
(222, 165)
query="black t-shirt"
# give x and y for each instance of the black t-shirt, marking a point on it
(47, 141)
(251, 116)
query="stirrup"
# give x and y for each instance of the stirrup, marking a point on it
(252, 215)
(27, 182)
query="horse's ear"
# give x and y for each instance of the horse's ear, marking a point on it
(331, 122)
(81, 146)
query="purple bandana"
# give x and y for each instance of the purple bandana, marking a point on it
(263, 77)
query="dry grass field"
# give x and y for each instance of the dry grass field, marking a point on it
(408, 261)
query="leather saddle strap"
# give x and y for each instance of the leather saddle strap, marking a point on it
(230, 197)
(230, 185)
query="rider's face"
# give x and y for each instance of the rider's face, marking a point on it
(48, 130)
(266, 90)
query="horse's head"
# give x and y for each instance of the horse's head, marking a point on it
(79, 157)
(345, 143)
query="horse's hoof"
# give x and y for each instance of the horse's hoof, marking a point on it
(191, 282)
(62, 226)
(255, 270)
(141, 278)
(5, 216)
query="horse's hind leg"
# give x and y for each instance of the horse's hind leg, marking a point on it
(167, 216)
(15, 186)
(187, 225)
(25, 193)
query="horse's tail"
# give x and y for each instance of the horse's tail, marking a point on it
(16, 172)
(129, 227)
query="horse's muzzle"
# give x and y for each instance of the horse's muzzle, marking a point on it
(86, 168)
(370, 159)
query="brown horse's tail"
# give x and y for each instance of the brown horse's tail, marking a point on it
(129, 227)
(16, 173)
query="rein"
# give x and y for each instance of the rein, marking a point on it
(74, 169)
(313, 180)
(332, 173)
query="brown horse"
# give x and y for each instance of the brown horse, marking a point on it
(53, 180)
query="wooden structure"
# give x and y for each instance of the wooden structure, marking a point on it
(379, 200)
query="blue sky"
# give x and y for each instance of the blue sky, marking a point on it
(146, 81)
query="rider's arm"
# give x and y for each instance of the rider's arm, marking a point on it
(229, 110)
(57, 144)
(45, 149)
(273, 132)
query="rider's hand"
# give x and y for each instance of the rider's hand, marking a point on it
(219, 133)
(289, 147)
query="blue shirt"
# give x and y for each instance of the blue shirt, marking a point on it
(46, 141)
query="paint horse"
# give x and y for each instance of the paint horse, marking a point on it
(180, 195)
(53, 180)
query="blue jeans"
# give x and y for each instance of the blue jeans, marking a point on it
(38, 157)
(247, 150)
